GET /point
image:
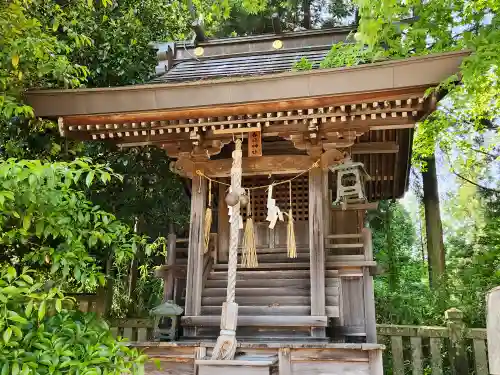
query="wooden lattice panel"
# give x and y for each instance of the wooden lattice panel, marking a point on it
(300, 196)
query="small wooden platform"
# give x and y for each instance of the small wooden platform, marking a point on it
(293, 358)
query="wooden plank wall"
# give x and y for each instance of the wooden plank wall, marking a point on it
(351, 285)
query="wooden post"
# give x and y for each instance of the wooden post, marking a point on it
(493, 329)
(195, 250)
(458, 355)
(370, 318)
(223, 225)
(169, 281)
(317, 247)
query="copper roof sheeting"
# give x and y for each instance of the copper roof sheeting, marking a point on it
(234, 66)
(278, 88)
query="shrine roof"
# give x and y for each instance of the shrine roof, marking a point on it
(240, 66)
(243, 56)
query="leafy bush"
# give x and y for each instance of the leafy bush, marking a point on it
(42, 335)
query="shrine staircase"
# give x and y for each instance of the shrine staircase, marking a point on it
(274, 299)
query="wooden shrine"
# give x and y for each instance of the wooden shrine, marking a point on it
(308, 306)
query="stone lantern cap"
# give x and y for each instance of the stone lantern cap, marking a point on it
(168, 308)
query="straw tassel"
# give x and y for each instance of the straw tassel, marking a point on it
(249, 259)
(291, 245)
(208, 219)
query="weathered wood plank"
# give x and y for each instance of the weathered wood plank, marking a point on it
(168, 282)
(223, 225)
(261, 310)
(128, 333)
(325, 354)
(416, 355)
(369, 296)
(332, 311)
(330, 368)
(264, 321)
(216, 285)
(480, 357)
(262, 300)
(288, 290)
(397, 355)
(263, 165)
(169, 368)
(343, 236)
(376, 365)
(142, 334)
(344, 246)
(436, 359)
(316, 244)
(420, 331)
(284, 362)
(493, 329)
(264, 274)
(195, 259)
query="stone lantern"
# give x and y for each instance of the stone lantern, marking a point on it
(166, 321)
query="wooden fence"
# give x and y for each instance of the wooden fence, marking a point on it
(419, 350)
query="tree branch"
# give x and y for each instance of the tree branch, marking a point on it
(474, 183)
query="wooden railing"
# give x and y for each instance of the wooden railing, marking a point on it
(418, 350)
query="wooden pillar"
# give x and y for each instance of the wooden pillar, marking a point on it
(327, 204)
(317, 247)
(169, 281)
(493, 329)
(195, 250)
(223, 225)
(369, 294)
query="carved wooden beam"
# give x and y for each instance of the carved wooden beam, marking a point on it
(283, 164)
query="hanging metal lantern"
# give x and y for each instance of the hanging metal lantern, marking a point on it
(351, 177)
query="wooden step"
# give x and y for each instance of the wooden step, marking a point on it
(272, 266)
(344, 236)
(280, 258)
(344, 258)
(260, 274)
(278, 250)
(261, 300)
(260, 310)
(343, 245)
(259, 321)
(302, 283)
(285, 290)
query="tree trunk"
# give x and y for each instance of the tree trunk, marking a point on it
(433, 225)
(306, 8)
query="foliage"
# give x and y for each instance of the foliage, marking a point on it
(439, 26)
(341, 55)
(42, 335)
(402, 292)
(46, 222)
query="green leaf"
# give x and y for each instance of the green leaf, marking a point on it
(15, 368)
(15, 60)
(18, 319)
(41, 310)
(11, 273)
(27, 222)
(7, 334)
(5, 369)
(90, 178)
(58, 305)
(29, 309)
(27, 278)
